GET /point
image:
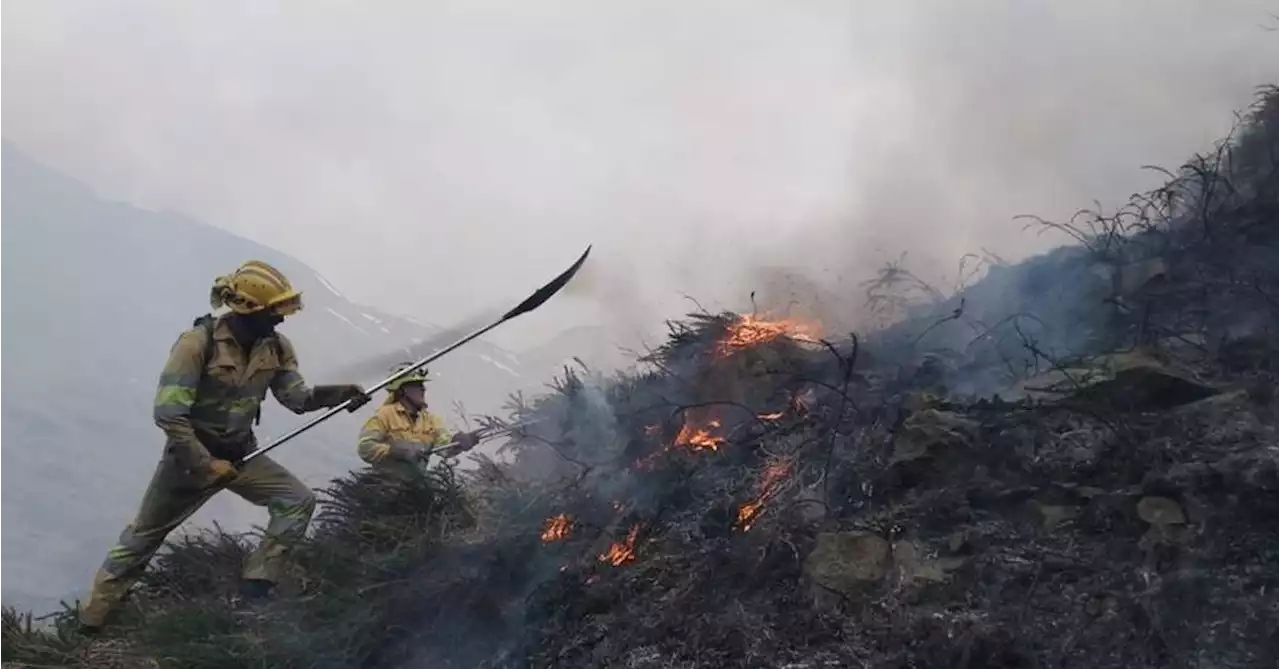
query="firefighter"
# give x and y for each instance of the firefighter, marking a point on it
(401, 434)
(209, 398)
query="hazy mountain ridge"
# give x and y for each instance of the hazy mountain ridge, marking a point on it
(95, 293)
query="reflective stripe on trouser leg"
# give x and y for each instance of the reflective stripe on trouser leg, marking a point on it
(164, 507)
(290, 502)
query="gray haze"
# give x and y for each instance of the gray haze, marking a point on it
(431, 157)
(438, 161)
(87, 325)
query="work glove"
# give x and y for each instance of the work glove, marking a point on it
(335, 395)
(220, 471)
(378, 451)
(467, 440)
(462, 442)
(356, 395)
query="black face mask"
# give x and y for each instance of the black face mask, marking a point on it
(259, 324)
(420, 403)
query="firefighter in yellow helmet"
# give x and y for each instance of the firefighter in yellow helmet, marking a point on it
(209, 398)
(402, 433)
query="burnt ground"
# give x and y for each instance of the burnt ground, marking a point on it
(1069, 463)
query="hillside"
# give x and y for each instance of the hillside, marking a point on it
(94, 294)
(1069, 462)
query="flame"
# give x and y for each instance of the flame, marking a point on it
(747, 512)
(748, 331)
(621, 552)
(770, 416)
(697, 434)
(699, 437)
(770, 482)
(557, 528)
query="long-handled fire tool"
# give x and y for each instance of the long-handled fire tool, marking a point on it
(532, 302)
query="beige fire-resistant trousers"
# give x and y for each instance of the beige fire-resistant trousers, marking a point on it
(167, 504)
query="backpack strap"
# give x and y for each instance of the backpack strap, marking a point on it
(206, 321)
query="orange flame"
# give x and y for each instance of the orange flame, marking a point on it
(621, 552)
(748, 331)
(696, 433)
(747, 512)
(699, 437)
(770, 416)
(557, 528)
(768, 486)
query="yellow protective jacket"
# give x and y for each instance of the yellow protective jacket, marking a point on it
(207, 407)
(405, 437)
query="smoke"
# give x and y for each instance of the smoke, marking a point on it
(596, 423)
(617, 289)
(439, 155)
(380, 366)
(1030, 108)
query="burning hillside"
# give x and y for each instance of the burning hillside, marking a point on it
(1081, 475)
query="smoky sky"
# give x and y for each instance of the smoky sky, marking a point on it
(432, 158)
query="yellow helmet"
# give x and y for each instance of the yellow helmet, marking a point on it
(253, 287)
(418, 375)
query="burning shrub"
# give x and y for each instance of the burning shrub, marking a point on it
(762, 497)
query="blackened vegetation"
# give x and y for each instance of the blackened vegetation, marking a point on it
(1070, 462)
